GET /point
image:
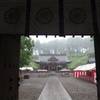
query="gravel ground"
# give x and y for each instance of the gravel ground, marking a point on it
(78, 89)
(30, 89)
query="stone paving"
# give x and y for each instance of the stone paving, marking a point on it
(78, 89)
(54, 90)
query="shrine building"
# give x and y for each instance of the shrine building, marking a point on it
(52, 62)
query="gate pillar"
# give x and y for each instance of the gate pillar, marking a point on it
(97, 56)
(9, 66)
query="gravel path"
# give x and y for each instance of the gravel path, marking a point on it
(78, 89)
(30, 89)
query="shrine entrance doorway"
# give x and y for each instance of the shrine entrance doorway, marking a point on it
(52, 68)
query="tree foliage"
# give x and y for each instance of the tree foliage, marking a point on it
(77, 60)
(77, 49)
(26, 50)
(80, 59)
(70, 45)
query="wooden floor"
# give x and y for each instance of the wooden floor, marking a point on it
(54, 90)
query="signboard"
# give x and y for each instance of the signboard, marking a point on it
(95, 81)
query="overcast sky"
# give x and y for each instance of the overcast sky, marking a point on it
(45, 39)
(49, 38)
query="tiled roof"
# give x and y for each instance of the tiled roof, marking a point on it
(85, 67)
(52, 54)
(59, 57)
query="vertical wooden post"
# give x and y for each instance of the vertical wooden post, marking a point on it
(48, 68)
(56, 68)
(61, 18)
(97, 57)
(97, 44)
(9, 66)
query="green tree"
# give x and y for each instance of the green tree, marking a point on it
(26, 50)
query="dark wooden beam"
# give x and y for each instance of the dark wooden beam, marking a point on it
(61, 18)
(27, 24)
(96, 44)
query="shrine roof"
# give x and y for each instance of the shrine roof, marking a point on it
(53, 58)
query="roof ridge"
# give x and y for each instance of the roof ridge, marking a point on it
(52, 54)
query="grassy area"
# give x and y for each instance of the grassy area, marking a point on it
(80, 59)
(34, 65)
(77, 61)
